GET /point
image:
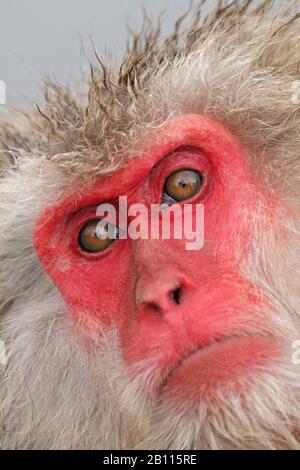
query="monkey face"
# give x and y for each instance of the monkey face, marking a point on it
(191, 314)
(118, 334)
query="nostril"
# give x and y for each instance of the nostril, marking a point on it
(161, 300)
(154, 307)
(176, 295)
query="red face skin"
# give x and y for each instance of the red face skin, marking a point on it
(130, 284)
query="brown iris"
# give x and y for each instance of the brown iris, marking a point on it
(183, 184)
(95, 239)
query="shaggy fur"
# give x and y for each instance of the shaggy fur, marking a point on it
(237, 65)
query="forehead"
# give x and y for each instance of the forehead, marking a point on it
(198, 132)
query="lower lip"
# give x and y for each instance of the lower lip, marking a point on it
(221, 364)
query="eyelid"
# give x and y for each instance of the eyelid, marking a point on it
(168, 199)
(182, 159)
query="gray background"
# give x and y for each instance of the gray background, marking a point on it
(40, 38)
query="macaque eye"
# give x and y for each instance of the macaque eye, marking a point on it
(94, 237)
(182, 184)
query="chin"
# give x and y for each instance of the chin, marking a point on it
(234, 393)
(223, 364)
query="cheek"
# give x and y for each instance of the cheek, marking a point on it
(93, 288)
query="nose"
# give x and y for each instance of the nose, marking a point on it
(159, 295)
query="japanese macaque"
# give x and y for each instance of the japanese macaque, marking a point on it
(122, 343)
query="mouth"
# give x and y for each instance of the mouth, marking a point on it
(223, 362)
(172, 370)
